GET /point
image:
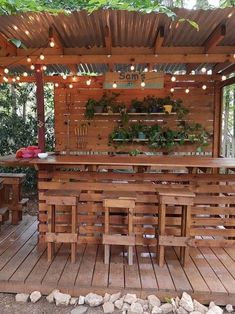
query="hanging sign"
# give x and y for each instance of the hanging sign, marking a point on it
(133, 80)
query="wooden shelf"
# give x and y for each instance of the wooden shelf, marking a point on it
(135, 114)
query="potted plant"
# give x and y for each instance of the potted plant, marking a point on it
(155, 136)
(121, 134)
(167, 104)
(137, 106)
(138, 131)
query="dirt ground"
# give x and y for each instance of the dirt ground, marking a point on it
(9, 306)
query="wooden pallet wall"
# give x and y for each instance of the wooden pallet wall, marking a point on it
(70, 108)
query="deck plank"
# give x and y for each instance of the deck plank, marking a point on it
(226, 259)
(116, 270)
(132, 275)
(101, 272)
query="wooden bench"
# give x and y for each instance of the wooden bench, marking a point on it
(119, 239)
(13, 185)
(61, 198)
(174, 197)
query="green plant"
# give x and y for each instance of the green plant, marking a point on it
(90, 108)
(138, 105)
(120, 134)
(136, 128)
(134, 152)
(178, 107)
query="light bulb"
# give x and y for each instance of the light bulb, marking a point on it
(114, 85)
(64, 76)
(142, 84)
(6, 70)
(44, 67)
(56, 85)
(193, 72)
(13, 80)
(173, 78)
(203, 70)
(29, 59)
(88, 82)
(223, 77)
(187, 91)
(32, 67)
(25, 74)
(52, 43)
(74, 78)
(172, 90)
(5, 79)
(146, 69)
(132, 67)
(70, 85)
(204, 86)
(18, 78)
(42, 57)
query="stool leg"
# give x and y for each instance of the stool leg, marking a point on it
(106, 246)
(161, 227)
(51, 228)
(130, 232)
(15, 204)
(187, 224)
(73, 230)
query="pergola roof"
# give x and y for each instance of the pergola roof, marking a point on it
(111, 32)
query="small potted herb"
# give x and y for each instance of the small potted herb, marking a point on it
(138, 131)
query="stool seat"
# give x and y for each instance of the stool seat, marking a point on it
(55, 198)
(179, 197)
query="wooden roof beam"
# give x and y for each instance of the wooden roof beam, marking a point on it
(55, 38)
(73, 68)
(9, 48)
(215, 37)
(159, 39)
(229, 70)
(108, 39)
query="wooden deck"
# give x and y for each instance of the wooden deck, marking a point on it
(210, 274)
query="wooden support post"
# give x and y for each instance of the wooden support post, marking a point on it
(40, 106)
(217, 120)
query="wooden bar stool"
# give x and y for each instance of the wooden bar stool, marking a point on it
(55, 198)
(177, 197)
(118, 239)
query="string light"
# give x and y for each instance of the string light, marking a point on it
(234, 55)
(88, 82)
(74, 78)
(172, 90)
(44, 67)
(114, 85)
(6, 70)
(142, 83)
(32, 67)
(173, 78)
(13, 80)
(70, 85)
(223, 77)
(25, 74)
(27, 32)
(52, 43)
(203, 70)
(29, 59)
(18, 78)
(42, 57)
(5, 79)
(193, 72)
(204, 87)
(187, 90)
(146, 69)
(132, 67)
(64, 76)
(56, 85)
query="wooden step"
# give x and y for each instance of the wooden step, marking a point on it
(4, 214)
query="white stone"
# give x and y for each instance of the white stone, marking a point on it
(130, 298)
(211, 304)
(108, 307)
(153, 301)
(198, 307)
(195, 312)
(142, 302)
(136, 307)
(186, 302)
(166, 308)
(146, 307)
(215, 310)
(177, 301)
(61, 298)
(126, 306)
(106, 297)
(79, 310)
(81, 300)
(119, 303)
(114, 297)
(50, 298)
(156, 310)
(73, 301)
(22, 297)
(229, 308)
(181, 310)
(93, 299)
(35, 296)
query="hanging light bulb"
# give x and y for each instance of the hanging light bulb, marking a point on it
(6, 70)
(70, 85)
(132, 67)
(204, 87)
(25, 74)
(193, 72)
(114, 85)
(74, 78)
(223, 77)
(187, 90)
(5, 79)
(44, 67)
(172, 90)
(32, 67)
(203, 70)
(146, 69)
(173, 78)
(29, 59)
(18, 78)
(13, 80)
(88, 82)
(56, 84)
(52, 43)
(64, 76)
(142, 84)
(42, 57)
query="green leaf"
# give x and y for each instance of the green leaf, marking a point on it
(191, 22)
